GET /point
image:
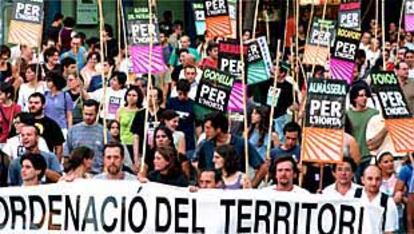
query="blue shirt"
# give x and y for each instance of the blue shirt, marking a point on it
(254, 139)
(90, 136)
(279, 152)
(15, 168)
(205, 152)
(405, 174)
(57, 106)
(79, 57)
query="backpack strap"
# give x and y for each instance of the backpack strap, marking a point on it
(384, 203)
(358, 193)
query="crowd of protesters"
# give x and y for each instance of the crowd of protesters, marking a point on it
(52, 121)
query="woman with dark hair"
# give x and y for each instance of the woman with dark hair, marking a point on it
(33, 83)
(259, 130)
(8, 110)
(78, 164)
(125, 115)
(171, 119)
(167, 169)
(226, 161)
(385, 162)
(5, 66)
(89, 70)
(114, 129)
(51, 64)
(59, 104)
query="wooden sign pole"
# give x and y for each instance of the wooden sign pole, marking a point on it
(149, 87)
(399, 25)
(101, 42)
(272, 107)
(246, 140)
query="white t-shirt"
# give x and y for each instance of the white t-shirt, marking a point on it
(191, 94)
(296, 189)
(25, 91)
(13, 147)
(391, 220)
(331, 191)
(114, 100)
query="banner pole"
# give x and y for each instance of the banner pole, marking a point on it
(321, 171)
(149, 87)
(272, 107)
(399, 24)
(383, 33)
(121, 7)
(246, 140)
(286, 24)
(101, 42)
(376, 19)
(256, 11)
(118, 15)
(318, 44)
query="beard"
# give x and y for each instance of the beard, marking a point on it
(113, 170)
(36, 112)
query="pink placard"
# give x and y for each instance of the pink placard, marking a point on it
(236, 98)
(141, 61)
(341, 69)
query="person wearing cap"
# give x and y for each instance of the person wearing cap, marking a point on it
(360, 115)
(115, 94)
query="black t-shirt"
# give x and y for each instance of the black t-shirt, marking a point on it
(175, 74)
(174, 179)
(139, 121)
(50, 131)
(53, 33)
(285, 98)
(57, 69)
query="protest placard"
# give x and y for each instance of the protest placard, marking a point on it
(409, 15)
(200, 19)
(342, 62)
(349, 15)
(214, 89)
(217, 18)
(398, 118)
(236, 97)
(86, 12)
(132, 207)
(140, 59)
(259, 62)
(26, 23)
(229, 57)
(319, 41)
(324, 124)
(139, 27)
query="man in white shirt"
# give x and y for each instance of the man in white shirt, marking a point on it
(113, 162)
(14, 147)
(343, 186)
(190, 74)
(371, 194)
(286, 171)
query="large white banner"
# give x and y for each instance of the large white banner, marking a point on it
(98, 206)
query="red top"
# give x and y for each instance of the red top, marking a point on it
(7, 114)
